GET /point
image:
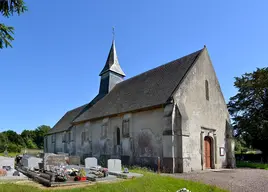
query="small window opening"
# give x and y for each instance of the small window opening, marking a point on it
(118, 136)
(207, 89)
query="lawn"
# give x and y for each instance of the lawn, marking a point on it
(151, 182)
(251, 165)
(29, 151)
(11, 154)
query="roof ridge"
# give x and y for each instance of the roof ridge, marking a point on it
(158, 67)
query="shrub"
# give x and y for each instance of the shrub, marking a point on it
(14, 148)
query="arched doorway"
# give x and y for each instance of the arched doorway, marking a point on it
(208, 152)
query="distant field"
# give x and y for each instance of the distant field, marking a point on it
(10, 154)
(29, 151)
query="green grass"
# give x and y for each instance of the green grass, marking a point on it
(150, 182)
(29, 151)
(251, 165)
(11, 154)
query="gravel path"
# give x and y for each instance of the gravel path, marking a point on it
(234, 180)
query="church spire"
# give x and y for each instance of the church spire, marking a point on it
(111, 74)
(112, 63)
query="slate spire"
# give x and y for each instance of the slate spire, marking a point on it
(112, 63)
(111, 74)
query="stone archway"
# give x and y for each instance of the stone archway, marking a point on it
(208, 152)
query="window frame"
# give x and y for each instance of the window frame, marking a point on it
(53, 138)
(125, 128)
(104, 130)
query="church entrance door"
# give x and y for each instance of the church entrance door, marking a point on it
(208, 153)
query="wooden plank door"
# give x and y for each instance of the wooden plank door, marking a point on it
(207, 145)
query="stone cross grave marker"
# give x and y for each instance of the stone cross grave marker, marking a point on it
(114, 165)
(91, 162)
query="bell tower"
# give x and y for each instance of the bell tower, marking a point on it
(111, 74)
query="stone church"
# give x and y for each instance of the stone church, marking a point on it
(175, 112)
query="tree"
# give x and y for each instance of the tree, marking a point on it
(32, 139)
(7, 9)
(13, 137)
(240, 145)
(41, 131)
(29, 136)
(3, 142)
(249, 109)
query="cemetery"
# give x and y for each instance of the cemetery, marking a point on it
(54, 170)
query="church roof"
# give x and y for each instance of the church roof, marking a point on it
(112, 63)
(151, 88)
(65, 122)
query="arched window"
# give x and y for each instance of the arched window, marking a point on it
(207, 89)
(118, 136)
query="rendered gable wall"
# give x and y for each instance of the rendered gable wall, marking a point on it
(200, 117)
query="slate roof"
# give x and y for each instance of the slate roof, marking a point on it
(65, 122)
(112, 63)
(151, 88)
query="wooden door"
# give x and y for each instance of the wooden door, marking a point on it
(207, 149)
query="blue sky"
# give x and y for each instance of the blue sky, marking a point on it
(61, 46)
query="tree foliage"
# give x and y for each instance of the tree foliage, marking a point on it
(31, 139)
(7, 9)
(249, 109)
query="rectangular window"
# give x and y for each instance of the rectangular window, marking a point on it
(207, 90)
(87, 135)
(73, 134)
(53, 138)
(83, 138)
(125, 130)
(69, 136)
(104, 130)
(63, 137)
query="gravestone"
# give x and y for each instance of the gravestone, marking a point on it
(16, 173)
(31, 162)
(74, 160)
(52, 160)
(91, 162)
(114, 165)
(6, 162)
(41, 155)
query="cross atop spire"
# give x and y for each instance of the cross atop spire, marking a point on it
(112, 63)
(113, 33)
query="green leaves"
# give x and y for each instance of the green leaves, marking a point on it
(6, 36)
(7, 9)
(249, 108)
(31, 139)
